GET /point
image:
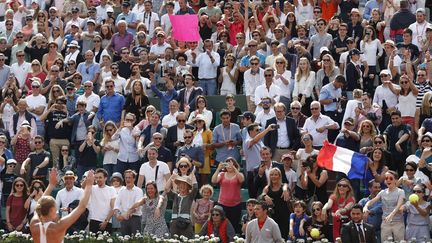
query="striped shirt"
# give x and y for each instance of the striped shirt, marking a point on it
(422, 90)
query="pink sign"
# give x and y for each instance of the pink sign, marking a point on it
(185, 27)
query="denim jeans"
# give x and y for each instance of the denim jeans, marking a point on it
(109, 168)
(122, 166)
(40, 125)
(208, 86)
(82, 169)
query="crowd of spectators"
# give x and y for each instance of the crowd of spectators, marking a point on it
(105, 86)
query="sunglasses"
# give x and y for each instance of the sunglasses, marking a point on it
(65, 150)
(19, 185)
(326, 60)
(11, 165)
(426, 140)
(38, 142)
(109, 86)
(280, 63)
(187, 137)
(215, 214)
(403, 82)
(389, 178)
(268, 75)
(35, 87)
(316, 209)
(421, 75)
(252, 45)
(157, 138)
(181, 120)
(315, 108)
(378, 142)
(254, 63)
(183, 166)
(383, 75)
(418, 191)
(295, 108)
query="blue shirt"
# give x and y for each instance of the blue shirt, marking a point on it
(130, 17)
(245, 60)
(371, 4)
(375, 213)
(71, 104)
(110, 108)
(329, 91)
(88, 72)
(296, 226)
(165, 98)
(222, 134)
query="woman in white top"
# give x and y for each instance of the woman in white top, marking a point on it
(136, 75)
(110, 147)
(105, 67)
(372, 50)
(407, 101)
(45, 223)
(229, 76)
(250, 24)
(282, 79)
(326, 74)
(57, 37)
(200, 108)
(304, 84)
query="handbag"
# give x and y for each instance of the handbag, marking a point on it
(182, 223)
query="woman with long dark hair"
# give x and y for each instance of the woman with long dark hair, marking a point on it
(218, 225)
(291, 26)
(201, 109)
(407, 100)
(110, 147)
(153, 207)
(98, 50)
(36, 191)
(372, 50)
(136, 102)
(15, 212)
(376, 168)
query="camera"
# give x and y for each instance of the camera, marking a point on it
(275, 126)
(307, 164)
(181, 143)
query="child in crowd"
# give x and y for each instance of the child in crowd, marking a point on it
(318, 221)
(235, 111)
(202, 207)
(249, 215)
(297, 221)
(117, 183)
(417, 224)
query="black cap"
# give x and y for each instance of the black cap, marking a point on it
(249, 115)
(354, 51)
(350, 39)
(70, 86)
(126, 4)
(75, 9)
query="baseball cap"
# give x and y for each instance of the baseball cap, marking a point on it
(249, 115)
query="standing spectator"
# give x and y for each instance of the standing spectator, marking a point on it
(21, 144)
(226, 137)
(402, 19)
(202, 137)
(266, 90)
(91, 99)
(169, 120)
(68, 194)
(154, 206)
(89, 69)
(122, 38)
(15, 212)
(110, 148)
(88, 152)
(304, 84)
(187, 95)
(149, 131)
(285, 137)
(320, 39)
(38, 161)
(154, 170)
(19, 117)
(356, 230)
(207, 72)
(36, 105)
(57, 136)
(397, 136)
(392, 200)
(164, 96)
(20, 68)
(149, 18)
(314, 180)
(318, 125)
(111, 105)
(203, 207)
(230, 181)
(137, 101)
(127, 196)
(262, 228)
(253, 77)
(181, 217)
(101, 204)
(375, 211)
(194, 153)
(340, 203)
(127, 156)
(175, 134)
(419, 27)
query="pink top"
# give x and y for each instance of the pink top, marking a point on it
(229, 191)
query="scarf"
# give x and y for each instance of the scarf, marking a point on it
(222, 230)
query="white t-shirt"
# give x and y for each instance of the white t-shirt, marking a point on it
(20, 72)
(149, 173)
(149, 20)
(92, 101)
(36, 101)
(166, 23)
(100, 202)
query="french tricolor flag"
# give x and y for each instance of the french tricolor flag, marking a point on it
(334, 158)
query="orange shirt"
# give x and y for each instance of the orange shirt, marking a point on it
(328, 9)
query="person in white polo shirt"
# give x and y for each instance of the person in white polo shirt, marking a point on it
(154, 170)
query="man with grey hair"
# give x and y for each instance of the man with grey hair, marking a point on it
(122, 38)
(92, 100)
(89, 69)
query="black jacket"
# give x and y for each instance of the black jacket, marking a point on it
(192, 98)
(271, 137)
(350, 234)
(261, 181)
(172, 138)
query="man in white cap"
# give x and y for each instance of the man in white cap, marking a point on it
(386, 96)
(36, 104)
(73, 51)
(54, 20)
(73, 19)
(419, 27)
(394, 60)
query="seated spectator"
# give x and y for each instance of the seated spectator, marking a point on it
(218, 225)
(318, 221)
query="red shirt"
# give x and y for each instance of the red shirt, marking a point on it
(261, 224)
(234, 29)
(17, 212)
(328, 9)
